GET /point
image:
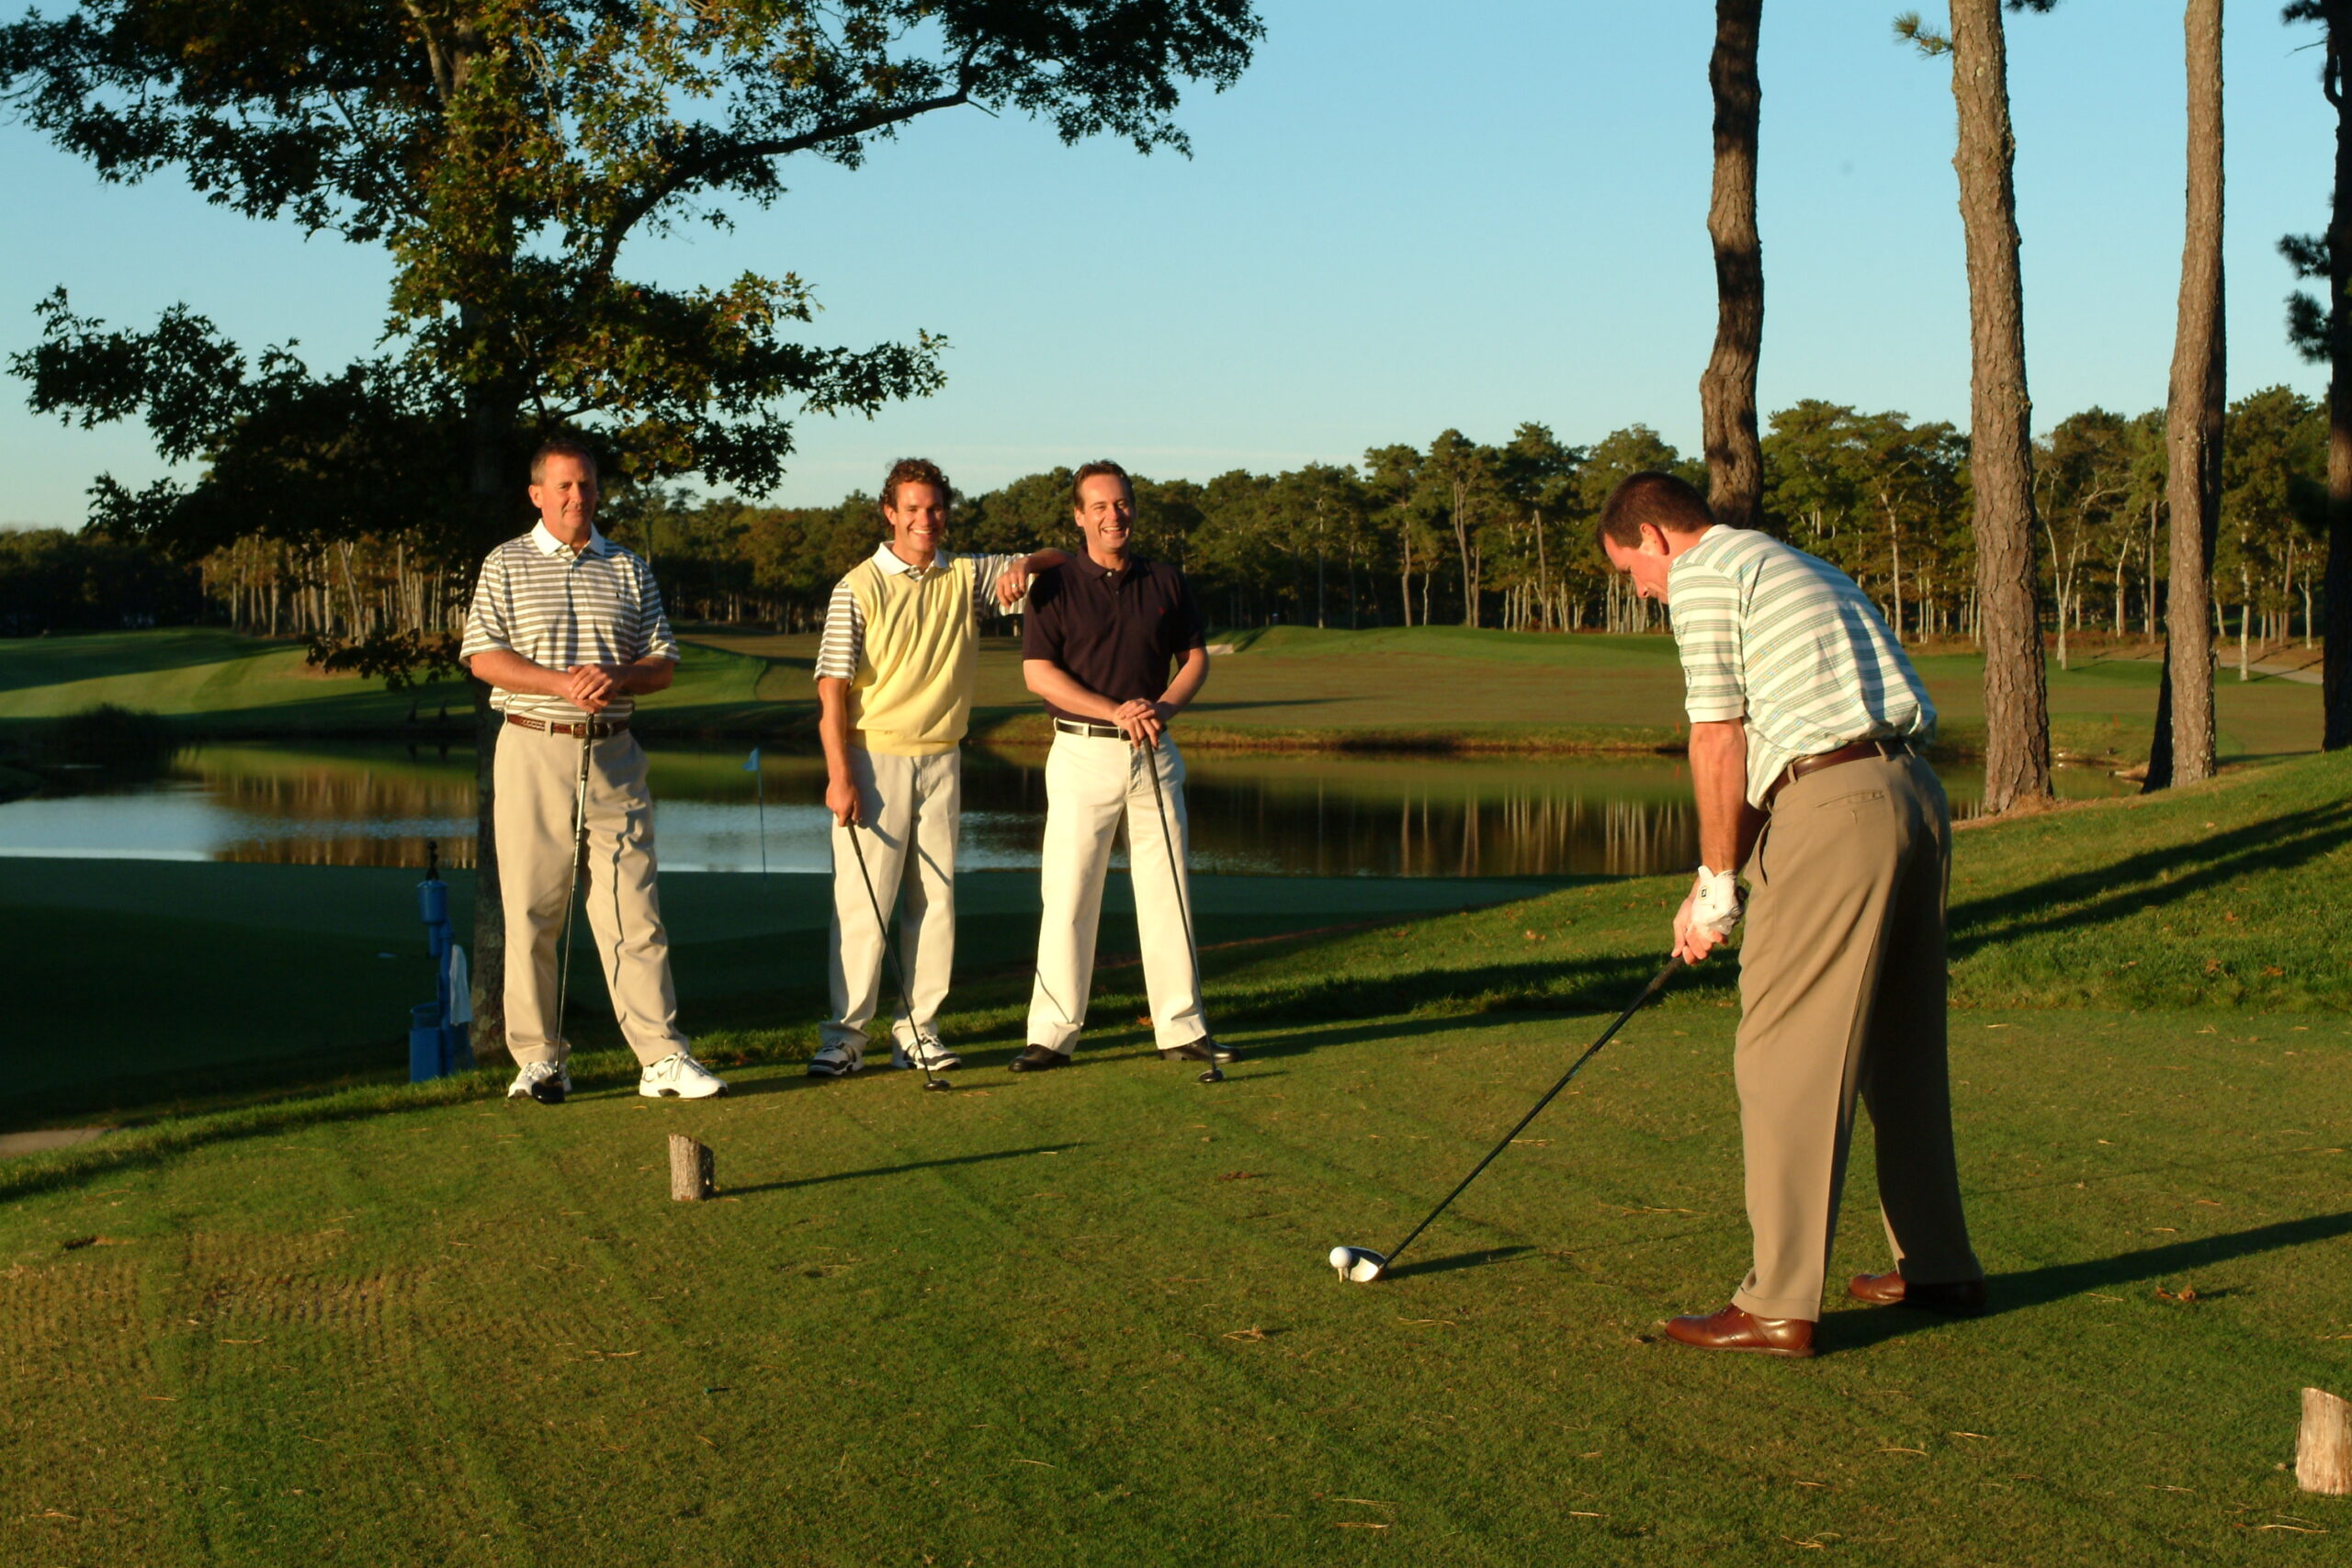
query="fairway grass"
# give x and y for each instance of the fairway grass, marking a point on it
(1429, 689)
(1084, 1318)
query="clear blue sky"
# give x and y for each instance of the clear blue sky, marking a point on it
(1404, 217)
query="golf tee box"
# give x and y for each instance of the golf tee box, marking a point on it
(694, 1169)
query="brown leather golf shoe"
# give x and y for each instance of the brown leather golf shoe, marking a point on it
(1732, 1330)
(1961, 1298)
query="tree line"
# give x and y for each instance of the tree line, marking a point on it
(1454, 533)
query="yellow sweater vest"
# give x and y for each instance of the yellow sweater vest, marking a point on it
(912, 696)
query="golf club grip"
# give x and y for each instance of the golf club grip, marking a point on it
(1657, 983)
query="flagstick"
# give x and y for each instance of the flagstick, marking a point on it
(760, 783)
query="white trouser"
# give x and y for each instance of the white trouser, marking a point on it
(903, 802)
(1092, 784)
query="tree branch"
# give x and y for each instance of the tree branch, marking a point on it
(433, 55)
(725, 159)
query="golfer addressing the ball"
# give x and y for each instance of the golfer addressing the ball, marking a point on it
(894, 690)
(569, 628)
(1113, 645)
(1806, 722)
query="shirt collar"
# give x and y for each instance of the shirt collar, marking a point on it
(888, 560)
(546, 544)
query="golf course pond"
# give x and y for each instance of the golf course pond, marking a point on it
(1280, 815)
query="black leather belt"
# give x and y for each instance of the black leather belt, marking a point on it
(1813, 764)
(1095, 731)
(596, 730)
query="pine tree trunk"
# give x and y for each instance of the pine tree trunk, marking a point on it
(2336, 589)
(2017, 703)
(1727, 389)
(2193, 422)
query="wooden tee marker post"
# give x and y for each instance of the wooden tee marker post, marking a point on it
(694, 1169)
(2323, 1446)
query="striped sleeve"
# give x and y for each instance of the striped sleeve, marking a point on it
(844, 648)
(1705, 614)
(486, 627)
(654, 633)
(986, 569)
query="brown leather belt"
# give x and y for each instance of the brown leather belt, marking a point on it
(594, 729)
(1813, 764)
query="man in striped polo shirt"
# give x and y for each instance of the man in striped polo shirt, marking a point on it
(1805, 725)
(569, 627)
(894, 690)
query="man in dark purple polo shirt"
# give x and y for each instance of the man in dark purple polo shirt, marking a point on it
(1113, 644)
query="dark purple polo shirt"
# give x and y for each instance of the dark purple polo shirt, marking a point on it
(1118, 634)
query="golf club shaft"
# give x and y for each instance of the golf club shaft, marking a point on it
(1657, 983)
(890, 955)
(571, 895)
(1175, 872)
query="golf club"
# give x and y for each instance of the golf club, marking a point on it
(1361, 1265)
(905, 995)
(571, 901)
(1175, 874)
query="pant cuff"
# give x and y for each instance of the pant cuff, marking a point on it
(1786, 1306)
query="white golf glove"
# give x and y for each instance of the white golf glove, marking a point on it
(1714, 903)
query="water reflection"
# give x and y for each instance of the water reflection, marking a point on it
(1269, 816)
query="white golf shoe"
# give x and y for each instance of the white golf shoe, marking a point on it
(679, 1076)
(837, 1060)
(926, 1052)
(547, 1082)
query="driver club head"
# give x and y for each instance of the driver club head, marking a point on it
(1358, 1265)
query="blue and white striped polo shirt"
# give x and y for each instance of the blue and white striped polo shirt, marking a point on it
(559, 607)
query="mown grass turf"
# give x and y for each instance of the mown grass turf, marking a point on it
(1083, 1318)
(218, 683)
(186, 982)
(1397, 688)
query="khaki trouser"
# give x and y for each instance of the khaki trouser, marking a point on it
(535, 778)
(1092, 786)
(905, 804)
(1841, 985)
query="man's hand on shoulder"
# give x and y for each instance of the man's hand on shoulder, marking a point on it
(1012, 582)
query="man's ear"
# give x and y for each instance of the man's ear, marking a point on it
(1654, 540)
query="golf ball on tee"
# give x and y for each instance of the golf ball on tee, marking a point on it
(1341, 1257)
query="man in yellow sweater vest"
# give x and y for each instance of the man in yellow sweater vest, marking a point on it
(894, 687)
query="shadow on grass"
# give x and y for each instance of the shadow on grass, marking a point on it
(829, 1178)
(2063, 1282)
(1454, 1261)
(2122, 888)
(1603, 983)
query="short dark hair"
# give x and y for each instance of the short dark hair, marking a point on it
(561, 446)
(1663, 501)
(1097, 470)
(914, 471)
